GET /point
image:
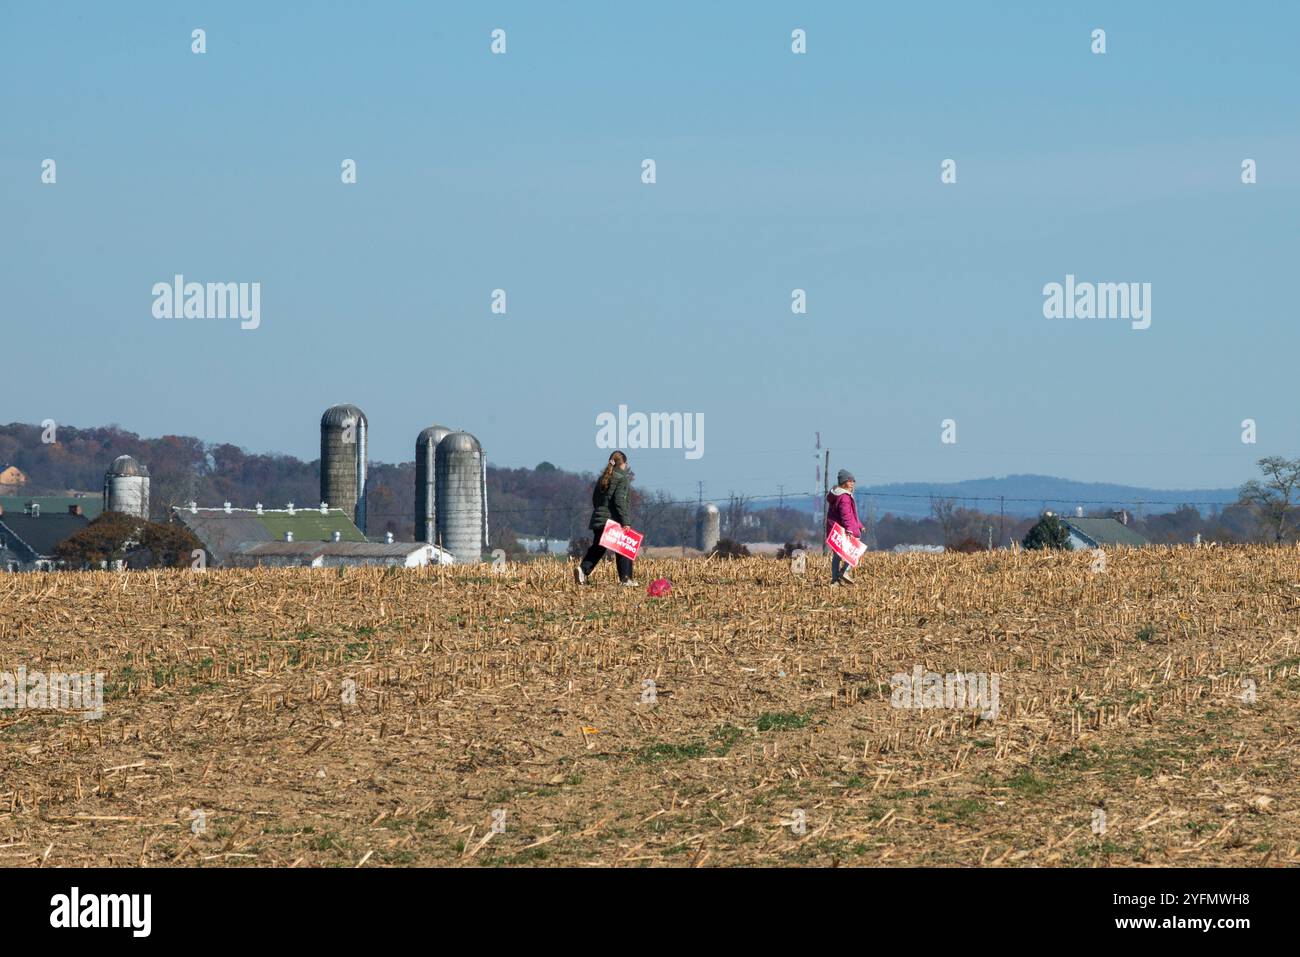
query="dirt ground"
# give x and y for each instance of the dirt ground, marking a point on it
(1146, 715)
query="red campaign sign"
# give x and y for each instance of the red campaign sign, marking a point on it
(845, 545)
(620, 540)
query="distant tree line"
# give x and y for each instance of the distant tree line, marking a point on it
(553, 503)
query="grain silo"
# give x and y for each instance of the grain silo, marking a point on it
(708, 526)
(126, 487)
(461, 511)
(344, 437)
(426, 484)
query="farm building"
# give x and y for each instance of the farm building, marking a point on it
(90, 505)
(337, 554)
(28, 539)
(1101, 533)
(223, 530)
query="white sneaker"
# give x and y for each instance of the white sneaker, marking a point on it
(630, 583)
(579, 575)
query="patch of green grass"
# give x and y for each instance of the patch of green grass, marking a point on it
(1026, 783)
(1146, 633)
(663, 751)
(723, 740)
(288, 829)
(530, 856)
(329, 841)
(823, 847)
(781, 721)
(1076, 759)
(742, 835)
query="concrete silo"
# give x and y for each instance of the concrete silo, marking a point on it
(126, 487)
(426, 483)
(344, 438)
(461, 508)
(708, 527)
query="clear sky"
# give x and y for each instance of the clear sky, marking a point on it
(775, 171)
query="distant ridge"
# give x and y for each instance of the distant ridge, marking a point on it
(1030, 494)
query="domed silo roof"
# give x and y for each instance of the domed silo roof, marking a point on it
(124, 465)
(460, 442)
(337, 416)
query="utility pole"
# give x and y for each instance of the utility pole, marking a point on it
(780, 490)
(817, 477)
(1002, 518)
(826, 487)
(700, 488)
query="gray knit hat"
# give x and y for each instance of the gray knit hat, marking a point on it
(844, 476)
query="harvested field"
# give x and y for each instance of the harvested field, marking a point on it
(522, 700)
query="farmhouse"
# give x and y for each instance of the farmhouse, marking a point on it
(28, 540)
(223, 530)
(1101, 533)
(336, 554)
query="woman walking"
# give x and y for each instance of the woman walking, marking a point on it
(608, 501)
(843, 510)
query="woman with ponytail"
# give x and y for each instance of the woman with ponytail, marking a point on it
(608, 501)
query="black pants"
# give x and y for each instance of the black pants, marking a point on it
(597, 552)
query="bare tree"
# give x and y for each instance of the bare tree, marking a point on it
(944, 511)
(684, 523)
(737, 506)
(1271, 498)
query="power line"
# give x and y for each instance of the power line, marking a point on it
(779, 496)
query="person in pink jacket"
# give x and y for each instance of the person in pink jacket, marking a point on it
(841, 509)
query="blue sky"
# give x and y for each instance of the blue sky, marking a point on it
(775, 171)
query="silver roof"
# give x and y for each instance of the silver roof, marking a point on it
(125, 465)
(341, 415)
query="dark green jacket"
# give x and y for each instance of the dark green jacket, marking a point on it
(610, 502)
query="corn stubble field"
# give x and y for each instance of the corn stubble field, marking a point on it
(521, 693)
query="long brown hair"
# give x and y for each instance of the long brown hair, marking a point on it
(615, 460)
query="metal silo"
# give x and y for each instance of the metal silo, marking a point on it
(459, 489)
(426, 473)
(126, 487)
(344, 437)
(708, 527)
